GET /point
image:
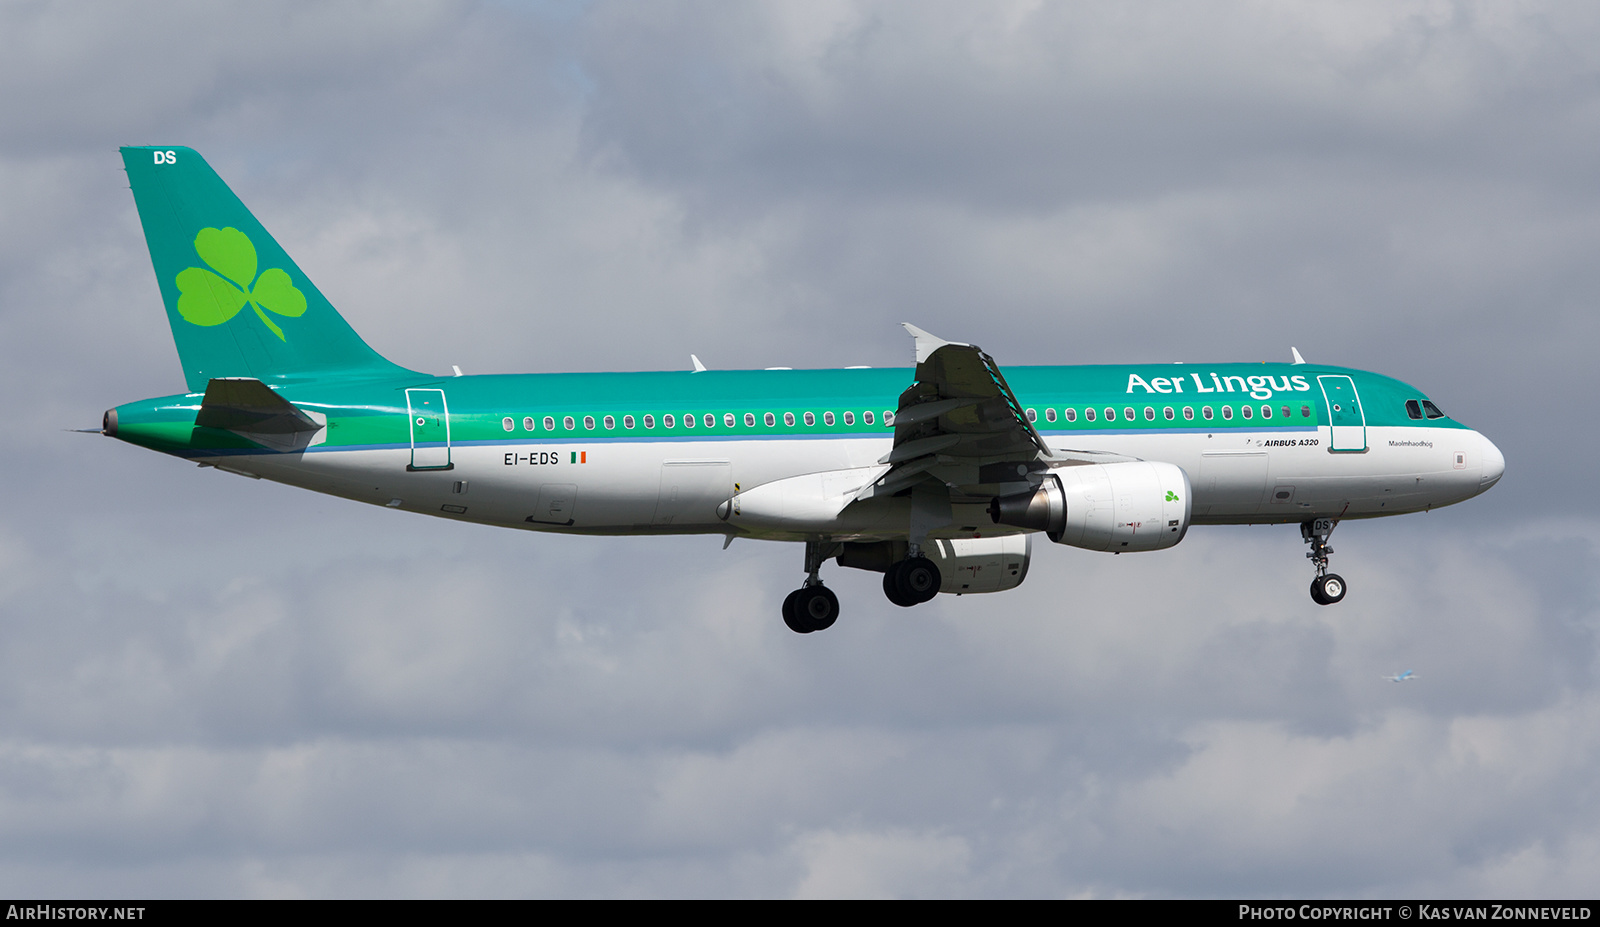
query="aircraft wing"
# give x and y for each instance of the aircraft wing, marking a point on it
(960, 425)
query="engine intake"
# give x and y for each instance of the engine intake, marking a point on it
(1130, 506)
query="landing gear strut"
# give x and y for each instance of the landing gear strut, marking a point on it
(912, 581)
(1327, 588)
(812, 607)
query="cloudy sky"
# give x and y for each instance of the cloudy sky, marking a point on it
(211, 686)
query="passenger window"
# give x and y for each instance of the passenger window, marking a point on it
(650, 421)
(827, 418)
(688, 420)
(810, 419)
(749, 420)
(1188, 413)
(769, 420)
(568, 423)
(1206, 413)
(1088, 414)
(1127, 413)
(508, 424)
(888, 417)
(627, 422)
(1227, 412)
(711, 420)
(1168, 413)
(727, 419)
(549, 423)
(1431, 409)
(788, 419)
(1149, 414)
(849, 418)
(1071, 414)
(1111, 414)
(611, 423)
(588, 422)
(667, 421)
(1245, 411)
(867, 416)
(1284, 411)
(1305, 411)
(1266, 411)
(1033, 416)
(1050, 415)
(527, 423)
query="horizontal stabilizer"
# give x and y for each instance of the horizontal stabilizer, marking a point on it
(249, 408)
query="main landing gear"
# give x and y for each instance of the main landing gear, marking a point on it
(1327, 588)
(812, 607)
(912, 581)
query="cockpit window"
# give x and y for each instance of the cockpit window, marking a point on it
(1431, 409)
(1413, 410)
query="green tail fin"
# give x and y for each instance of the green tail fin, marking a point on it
(238, 306)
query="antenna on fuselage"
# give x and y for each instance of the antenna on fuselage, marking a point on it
(1297, 358)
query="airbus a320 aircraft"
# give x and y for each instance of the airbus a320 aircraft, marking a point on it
(937, 477)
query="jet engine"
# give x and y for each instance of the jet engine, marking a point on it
(1130, 506)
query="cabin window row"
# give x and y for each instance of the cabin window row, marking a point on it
(1168, 413)
(692, 420)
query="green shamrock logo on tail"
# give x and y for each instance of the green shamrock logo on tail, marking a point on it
(212, 297)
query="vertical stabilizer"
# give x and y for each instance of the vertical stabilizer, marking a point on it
(237, 303)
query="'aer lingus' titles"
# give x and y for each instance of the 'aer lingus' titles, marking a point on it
(1258, 387)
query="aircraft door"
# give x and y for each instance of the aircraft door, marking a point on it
(1348, 423)
(430, 430)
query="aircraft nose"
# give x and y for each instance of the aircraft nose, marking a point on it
(1494, 464)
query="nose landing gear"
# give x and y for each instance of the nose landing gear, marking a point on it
(1327, 588)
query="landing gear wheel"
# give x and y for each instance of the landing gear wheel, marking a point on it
(789, 613)
(817, 607)
(918, 580)
(1328, 589)
(791, 616)
(810, 608)
(891, 586)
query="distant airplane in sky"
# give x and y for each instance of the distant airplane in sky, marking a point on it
(1406, 676)
(936, 477)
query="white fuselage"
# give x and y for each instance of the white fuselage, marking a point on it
(667, 486)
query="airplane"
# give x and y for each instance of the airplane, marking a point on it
(938, 477)
(1406, 676)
